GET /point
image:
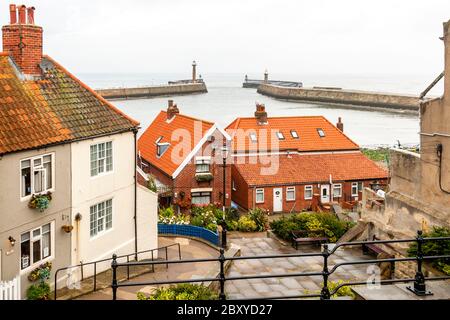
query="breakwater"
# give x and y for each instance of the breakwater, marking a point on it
(153, 91)
(340, 96)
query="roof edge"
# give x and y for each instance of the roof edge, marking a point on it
(190, 117)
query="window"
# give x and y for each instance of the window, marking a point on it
(101, 158)
(360, 186)
(321, 133)
(158, 140)
(259, 195)
(294, 134)
(36, 175)
(253, 137)
(290, 194)
(201, 198)
(101, 217)
(308, 192)
(202, 165)
(337, 190)
(354, 189)
(280, 135)
(161, 148)
(35, 246)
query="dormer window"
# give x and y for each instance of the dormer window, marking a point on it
(280, 135)
(158, 140)
(253, 137)
(161, 148)
(294, 134)
(321, 133)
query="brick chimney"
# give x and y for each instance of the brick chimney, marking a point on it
(340, 124)
(447, 60)
(172, 110)
(261, 114)
(22, 40)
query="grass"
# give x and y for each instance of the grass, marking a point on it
(380, 154)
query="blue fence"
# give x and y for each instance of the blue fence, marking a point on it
(189, 231)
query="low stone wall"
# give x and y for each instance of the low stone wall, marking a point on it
(154, 91)
(348, 97)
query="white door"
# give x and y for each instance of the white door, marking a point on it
(277, 199)
(325, 193)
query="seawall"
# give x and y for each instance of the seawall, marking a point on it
(339, 96)
(152, 91)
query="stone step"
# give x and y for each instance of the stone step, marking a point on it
(353, 233)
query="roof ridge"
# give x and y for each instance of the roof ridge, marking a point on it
(92, 91)
(341, 132)
(281, 117)
(191, 117)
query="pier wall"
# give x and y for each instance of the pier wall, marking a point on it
(351, 97)
(153, 91)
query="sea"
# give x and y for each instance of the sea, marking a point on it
(227, 100)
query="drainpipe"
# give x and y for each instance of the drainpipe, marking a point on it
(135, 131)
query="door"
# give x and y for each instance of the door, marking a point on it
(277, 199)
(325, 193)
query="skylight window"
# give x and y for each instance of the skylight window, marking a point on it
(253, 137)
(321, 133)
(280, 135)
(161, 148)
(294, 134)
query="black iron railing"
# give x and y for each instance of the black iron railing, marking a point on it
(419, 287)
(135, 255)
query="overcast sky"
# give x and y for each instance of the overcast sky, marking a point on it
(244, 36)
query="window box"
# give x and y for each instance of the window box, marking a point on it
(40, 201)
(204, 177)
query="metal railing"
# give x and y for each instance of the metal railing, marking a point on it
(419, 287)
(127, 256)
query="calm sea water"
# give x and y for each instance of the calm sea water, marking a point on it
(226, 100)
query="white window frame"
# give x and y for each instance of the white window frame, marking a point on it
(321, 133)
(260, 191)
(362, 186)
(294, 134)
(355, 185)
(202, 194)
(290, 189)
(105, 158)
(280, 135)
(34, 169)
(309, 188)
(32, 239)
(253, 137)
(159, 145)
(203, 161)
(103, 219)
(337, 186)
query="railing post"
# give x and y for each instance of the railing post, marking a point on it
(153, 266)
(82, 270)
(167, 258)
(419, 287)
(128, 267)
(95, 276)
(222, 275)
(224, 236)
(179, 250)
(114, 276)
(56, 283)
(325, 293)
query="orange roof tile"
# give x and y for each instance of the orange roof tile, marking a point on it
(182, 132)
(306, 128)
(301, 169)
(55, 108)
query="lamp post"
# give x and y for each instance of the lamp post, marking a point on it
(224, 193)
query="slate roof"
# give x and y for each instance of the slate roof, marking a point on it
(56, 108)
(303, 169)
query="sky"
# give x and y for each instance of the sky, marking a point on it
(243, 36)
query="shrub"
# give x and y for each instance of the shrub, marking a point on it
(433, 248)
(181, 292)
(151, 184)
(345, 291)
(314, 225)
(260, 218)
(246, 224)
(166, 212)
(39, 291)
(205, 217)
(168, 216)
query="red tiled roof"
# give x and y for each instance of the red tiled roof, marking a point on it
(57, 108)
(160, 127)
(300, 169)
(306, 127)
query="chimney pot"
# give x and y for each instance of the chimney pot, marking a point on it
(22, 15)
(261, 114)
(172, 110)
(30, 12)
(340, 124)
(13, 14)
(170, 103)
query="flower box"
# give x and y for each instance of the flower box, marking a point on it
(204, 177)
(40, 201)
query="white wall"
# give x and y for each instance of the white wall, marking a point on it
(87, 191)
(147, 218)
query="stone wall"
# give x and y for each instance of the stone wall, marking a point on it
(143, 92)
(349, 97)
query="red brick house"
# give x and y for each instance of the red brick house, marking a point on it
(184, 156)
(282, 163)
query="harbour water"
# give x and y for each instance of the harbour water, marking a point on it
(227, 100)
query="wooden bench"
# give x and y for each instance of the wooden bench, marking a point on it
(299, 237)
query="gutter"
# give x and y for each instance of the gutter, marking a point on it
(135, 131)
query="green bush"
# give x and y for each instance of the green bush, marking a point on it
(166, 212)
(151, 184)
(313, 224)
(259, 216)
(39, 291)
(181, 292)
(205, 217)
(246, 224)
(434, 248)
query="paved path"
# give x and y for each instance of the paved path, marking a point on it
(290, 286)
(190, 249)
